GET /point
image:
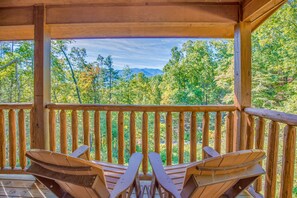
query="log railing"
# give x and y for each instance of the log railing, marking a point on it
(281, 156)
(127, 117)
(15, 127)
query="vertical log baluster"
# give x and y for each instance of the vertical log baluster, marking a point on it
(250, 132)
(74, 130)
(12, 139)
(157, 132)
(169, 138)
(243, 129)
(260, 129)
(120, 138)
(2, 140)
(229, 132)
(63, 134)
(271, 163)
(205, 130)
(193, 136)
(289, 147)
(145, 142)
(86, 128)
(109, 136)
(22, 139)
(52, 129)
(218, 132)
(181, 138)
(31, 128)
(132, 133)
(97, 135)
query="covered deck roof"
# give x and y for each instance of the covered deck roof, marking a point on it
(134, 18)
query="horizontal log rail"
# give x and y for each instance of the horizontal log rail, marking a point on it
(15, 133)
(16, 106)
(145, 131)
(280, 148)
(142, 108)
(276, 116)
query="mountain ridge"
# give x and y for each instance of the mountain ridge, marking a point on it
(148, 72)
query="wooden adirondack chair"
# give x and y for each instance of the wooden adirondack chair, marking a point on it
(217, 176)
(73, 176)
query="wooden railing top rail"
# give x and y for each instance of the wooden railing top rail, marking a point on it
(277, 116)
(142, 108)
(16, 105)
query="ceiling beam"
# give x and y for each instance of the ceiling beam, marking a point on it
(254, 9)
(97, 21)
(22, 3)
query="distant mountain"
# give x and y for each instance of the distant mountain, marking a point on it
(148, 72)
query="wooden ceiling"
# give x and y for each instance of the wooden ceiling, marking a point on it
(133, 18)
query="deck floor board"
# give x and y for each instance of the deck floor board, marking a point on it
(26, 186)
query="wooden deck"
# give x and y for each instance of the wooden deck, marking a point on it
(26, 186)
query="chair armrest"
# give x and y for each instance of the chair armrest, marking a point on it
(161, 176)
(210, 152)
(81, 152)
(128, 177)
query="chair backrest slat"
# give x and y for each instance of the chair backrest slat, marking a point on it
(217, 174)
(78, 177)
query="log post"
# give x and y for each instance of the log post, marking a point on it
(42, 45)
(242, 79)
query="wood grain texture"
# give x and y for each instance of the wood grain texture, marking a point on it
(169, 138)
(157, 132)
(63, 132)
(109, 136)
(193, 136)
(74, 130)
(132, 133)
(276, 116)
(86, 129)
(145, 142)
(289, 148)
(271, 163)
(2, 140)
(142, 108)
(250, 132)
(121, 138)
(229, 131)
(181, 137)
(52, 129)
(31, 128)
(205, 131)
(218, 132)
(42, 90)
(97, 134)
(260, 129)
(12, 138)
(22, 139)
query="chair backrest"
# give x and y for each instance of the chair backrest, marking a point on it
(213, 176)
(78, 177)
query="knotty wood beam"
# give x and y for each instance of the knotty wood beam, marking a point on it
(102, 21)
(42, 44)
(254, 9)
(242, 79)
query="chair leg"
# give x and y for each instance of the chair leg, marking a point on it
(152, 189)
(239, 187)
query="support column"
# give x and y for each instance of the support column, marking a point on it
(42, 45)
(242, 80)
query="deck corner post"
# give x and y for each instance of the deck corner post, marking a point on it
(42, 50)
(242, 80)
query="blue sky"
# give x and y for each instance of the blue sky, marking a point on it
(137, 53)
